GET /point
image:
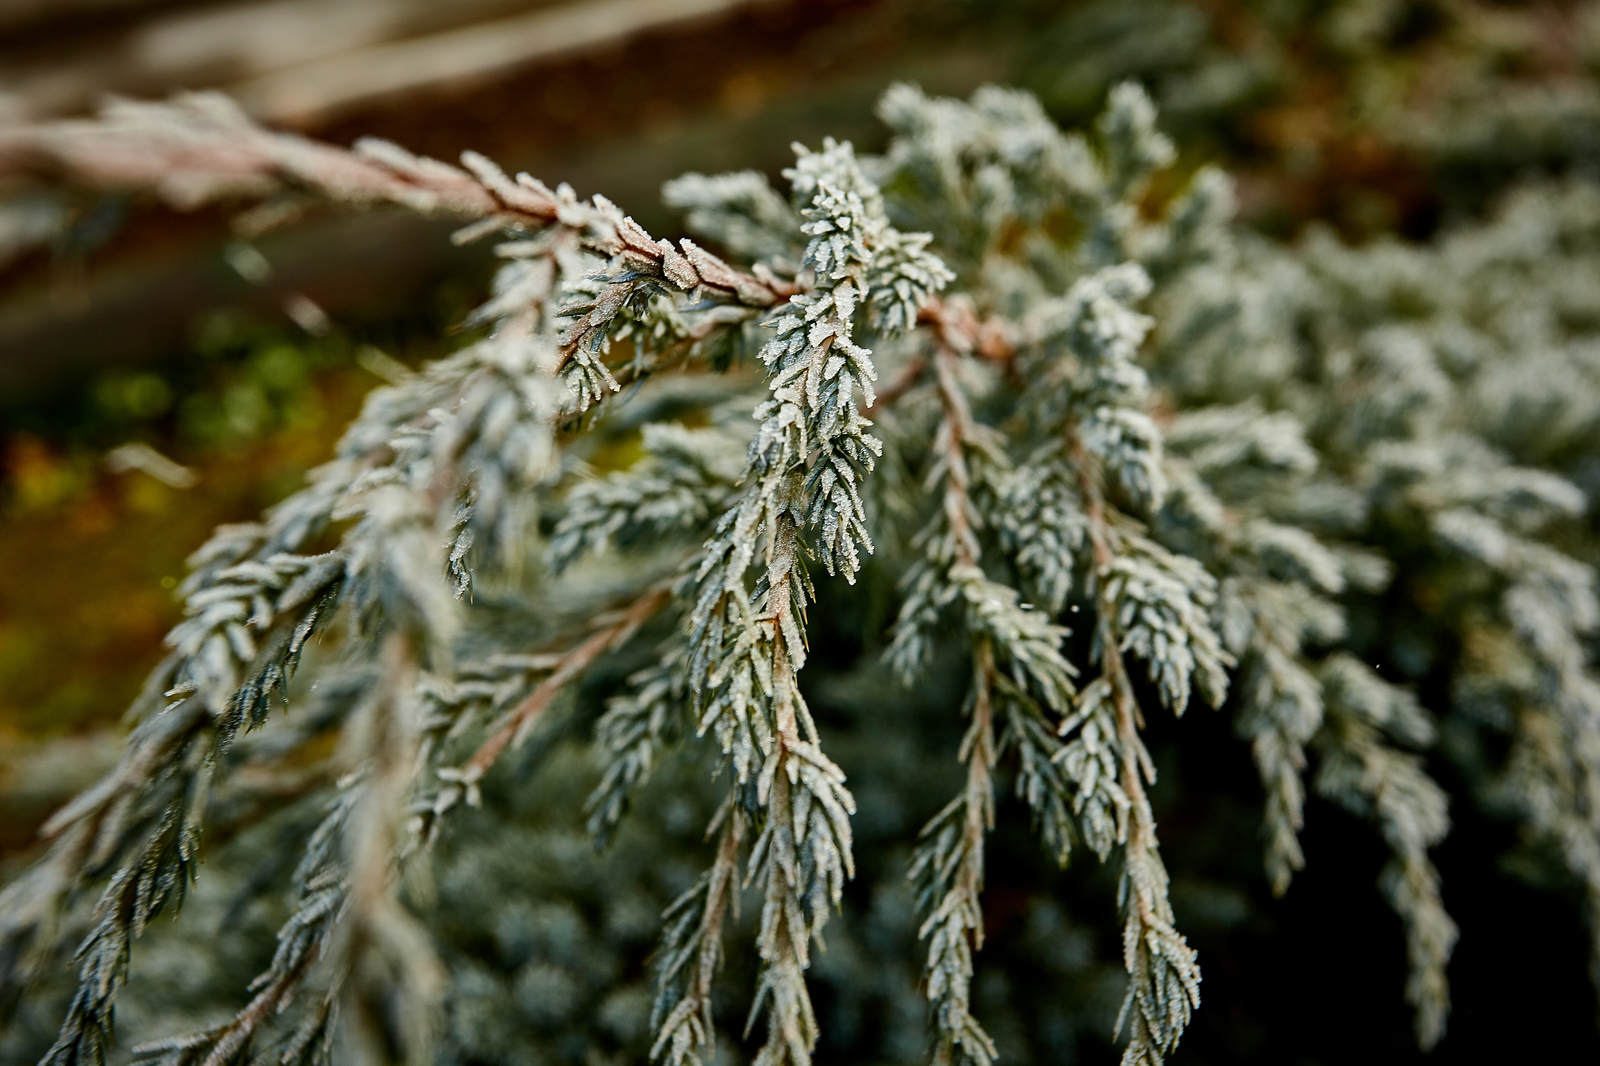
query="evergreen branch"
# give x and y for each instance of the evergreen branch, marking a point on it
(806, 457)
(691, 950)
(1324, 458)
(947, 866)
(513, 725)
(741, 212)
(146, 817)
(1045, 776)
(1271, 599)
(385, 982)
(1374, 780)
(636, 725)
(1164, 985)
(687, 478)
(346, 920)
(1284, 712)
(948, 871)
(319, 898)
(252, 608)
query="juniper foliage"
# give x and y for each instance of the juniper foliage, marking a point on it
(1113, 457)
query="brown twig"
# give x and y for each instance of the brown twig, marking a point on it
(514, 722)
(978, 750)
(903, 383)
(200, 148)
(958, 331)
(958, 327)
(1134, 764)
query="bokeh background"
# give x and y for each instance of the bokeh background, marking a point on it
(163, 372)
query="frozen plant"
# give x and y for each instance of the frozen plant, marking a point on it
(1111, 458)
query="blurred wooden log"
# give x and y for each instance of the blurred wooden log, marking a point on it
(303, 61)
(316, 91)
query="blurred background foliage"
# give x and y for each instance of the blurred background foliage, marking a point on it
(233, 350)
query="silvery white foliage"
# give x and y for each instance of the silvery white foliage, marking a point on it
(1340, 431)
(1553, 762)
(1129, 443)
(1353, 687)
(946, 574)
(1162, 604)
(1044, 528)
(1209, 316)
(1028, 645)
(687, 476)
(633, 308)
(1506, 125)
(397, 600)
(948, 875)
(1090, 759)
(795, 427)
(1164, 986)
(1528, 499)
(1044, 778)
(1281, 711)
(811, 446)
(691, 950)
(345, 919)
(1415, 391)
(1373, 779)
(1134, 146)
(435, 462)
(1197, 229)
(1091, 394)
(632, 282)
(1095, 322)
(994, 158)
(1163, 970)
(394, 569)
(727, 666)
(1223, 441)
(741, 212)
(236, 556)
(1193, 517)
(318, 895)
(132, 899)
(637, 725)
(501, 436)
(1291, 554)
(816, 370)
(454, 705)
(649, 318)
(248, 626)
(1431, 446)
(1017, 669)
(279, 600)
(1050, 167)
(1272, 602)
(1456, 474)
(1164, 976)
(904, 273)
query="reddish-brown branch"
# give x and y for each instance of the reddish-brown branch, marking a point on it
(958, 330)
(955, 433)
(571, 665)
(201, 148)
(958, 327)
(903, 382)
(1141, 826)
